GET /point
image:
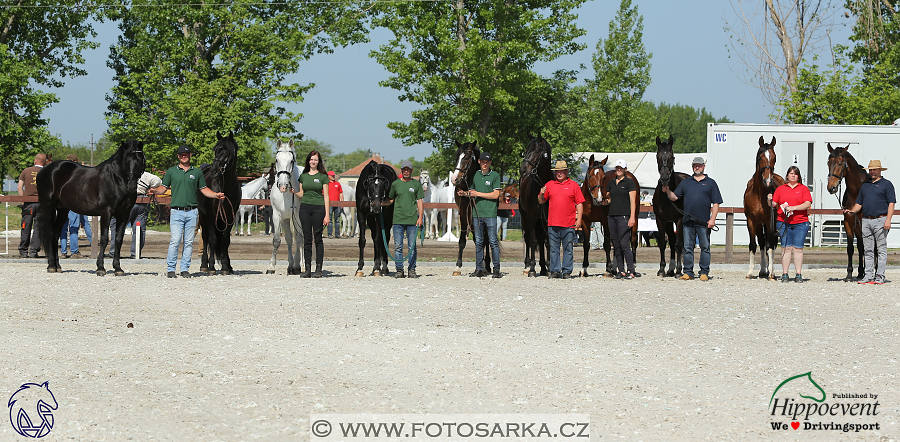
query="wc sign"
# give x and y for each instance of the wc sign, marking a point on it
(720, 137)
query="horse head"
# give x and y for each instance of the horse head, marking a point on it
(132, 160)
(425, 179)
(765, 161)
(285, 161)
(665, 159)
(838, 166)
(225, 153)
(595, 178)
(511, 191)
(466, 163)
(377, 183)
(537, 156)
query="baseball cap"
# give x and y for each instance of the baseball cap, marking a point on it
(406, 164)
(622, 164)
(330, 173)
(699, 160)
(486, 156)
(183, 149)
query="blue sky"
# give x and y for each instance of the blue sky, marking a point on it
(348, 109)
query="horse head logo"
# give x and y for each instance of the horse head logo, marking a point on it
(30, 410)
(807, 375)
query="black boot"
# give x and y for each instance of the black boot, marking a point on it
(318, 273)
(306, 274)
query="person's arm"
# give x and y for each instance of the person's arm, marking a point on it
(804, 206)
(712, 216)
(578, 210)
(855, 209)
(541, 198)
(772, 202)
(327, 219)
(491, 196)
(21, 188)
(159, 190)
(887, 222)
(633, 218)
(669, 193)
(207, 192)
(420, 206)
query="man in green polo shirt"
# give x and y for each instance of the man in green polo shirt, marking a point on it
(407, 196)
(485, 189)
(184, 180)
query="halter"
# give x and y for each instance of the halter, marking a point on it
(288, 172)
(465, 172)
(763, 168)
(534, 167)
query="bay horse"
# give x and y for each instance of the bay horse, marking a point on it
(108, 190)
(669, 214)
(533, 175)
(604, 222)
(286, 207)
(467, 155)
(216, 217)
(842, 166)
(592, 211)
(760, 215)
(372, 190)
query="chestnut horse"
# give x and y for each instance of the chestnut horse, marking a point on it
(842, 165)
(591, 210)
(533, 175)
(669, 214)
(760, 216)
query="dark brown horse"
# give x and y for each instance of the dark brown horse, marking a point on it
(592, 211)
(842, 166)
(760, 216)
(668, 213)
(216, 218)
(467, 155)
(372, 190)
(108, 190)
(534, 174)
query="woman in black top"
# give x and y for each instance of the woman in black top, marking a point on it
(621, 193)
(313, 193)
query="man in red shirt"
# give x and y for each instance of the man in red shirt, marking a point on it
(335, 193)
(563, 214)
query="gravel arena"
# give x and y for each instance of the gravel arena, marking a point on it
(251, 356)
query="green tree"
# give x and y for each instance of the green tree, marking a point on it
(186, 71)
(39, 47)
(343, 161)
(615, 117)
(304, 147)
(469, 65)
(686, 124)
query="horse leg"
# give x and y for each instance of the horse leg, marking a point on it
(361, 219)
(607, 248)
(586, 246)
(545, 254)
(298, 241)
(121, 222)
(53, 221)
(223, 241)
(860, 255)
(662, 228)
(464, 228)
(276, 242)
(752, 248)
(376, 239)
(677, 240)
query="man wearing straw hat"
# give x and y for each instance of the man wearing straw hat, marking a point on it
(563, 214)
(875, 205)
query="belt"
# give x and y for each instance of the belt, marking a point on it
(875, 217)
(183, 208)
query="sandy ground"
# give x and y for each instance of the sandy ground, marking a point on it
(251, 356)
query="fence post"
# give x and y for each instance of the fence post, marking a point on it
(729, 236)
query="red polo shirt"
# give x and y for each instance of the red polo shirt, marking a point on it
(562, 199)
(793, 197)
(334, 191)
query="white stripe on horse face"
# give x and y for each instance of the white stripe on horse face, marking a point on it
(768, 156)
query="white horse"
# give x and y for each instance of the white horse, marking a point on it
(286, 207)
(427, 187)
(348, 214)
(252, 190)
(439, 194)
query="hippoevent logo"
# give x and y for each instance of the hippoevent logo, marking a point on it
(31, 410)
(817, 412)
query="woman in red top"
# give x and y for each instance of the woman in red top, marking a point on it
(792, 200)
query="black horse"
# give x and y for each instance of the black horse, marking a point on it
(668, 213)
(372, 191)
(108, 190)
(217, 216)
(534, 174)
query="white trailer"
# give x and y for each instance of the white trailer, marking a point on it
(731, 154)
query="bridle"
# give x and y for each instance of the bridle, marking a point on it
(535, 165)
(602, 181)
(762, 169)
(465, 171)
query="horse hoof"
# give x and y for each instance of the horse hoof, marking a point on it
(584, 274)
(101, 272)
(210, 272)
(608, 275)
(51, 270)
(270, 272)
(376, 273)
(226, 272)
(203, 269)
(749, 277)
(525, 272)
(457, 273)
(661, 273)
(360, 273)
(532, 274)
(120, 273)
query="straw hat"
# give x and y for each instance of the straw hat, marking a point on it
(875, 164)
(561, 165)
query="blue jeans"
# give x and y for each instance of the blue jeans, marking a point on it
(138, 215)
(182, 224)
(409, 230)
(335, 215)
(692, 233)
(792, 235)
(502, 226)
(69, 235)
(565, 237)
(479, 224)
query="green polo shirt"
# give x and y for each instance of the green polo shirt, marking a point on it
(484, 207)
(405, 194)
(312, 188)
(184, 185)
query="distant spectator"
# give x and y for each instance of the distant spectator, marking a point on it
(29, 237)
